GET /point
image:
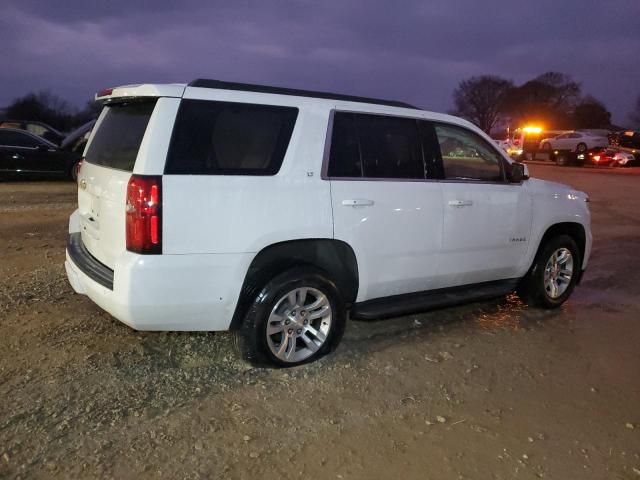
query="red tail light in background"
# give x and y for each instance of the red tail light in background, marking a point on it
(144, 214)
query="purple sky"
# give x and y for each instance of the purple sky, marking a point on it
(411, 50)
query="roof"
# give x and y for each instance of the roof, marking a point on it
(248, 87)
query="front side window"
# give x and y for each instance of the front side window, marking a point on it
(467, 156)
(17, 139)
(221, 138)
(375, 146)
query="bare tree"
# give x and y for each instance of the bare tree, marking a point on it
(550, 98)
(480, 99)
(591, 113)
(47, 107)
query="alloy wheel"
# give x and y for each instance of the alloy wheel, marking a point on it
(299, 324)
(558, 273)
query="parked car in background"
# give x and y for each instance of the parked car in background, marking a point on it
(23, 154)
(525, 142)
(628, 140)
(77, 139)
(37, 128)
(281, 210)
(578, 142)
(613, 157)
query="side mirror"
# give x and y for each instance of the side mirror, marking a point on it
(519, 172)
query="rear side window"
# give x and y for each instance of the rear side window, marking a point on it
(345, 159)
(221, 138)
(117, 140)
(375, 146)
(17, 139)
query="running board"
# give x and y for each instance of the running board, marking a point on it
(397, 305)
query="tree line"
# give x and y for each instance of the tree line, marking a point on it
(44, 106)
(552, 99)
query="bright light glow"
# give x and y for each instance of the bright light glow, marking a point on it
(596, 158)
(532, 129)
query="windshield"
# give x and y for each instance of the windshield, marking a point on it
(77, 133)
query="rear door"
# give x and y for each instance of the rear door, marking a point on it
(384, 204)
(486, 219)
(109, 161)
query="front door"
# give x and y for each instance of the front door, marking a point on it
(487, 220)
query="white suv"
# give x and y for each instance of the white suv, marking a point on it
(274, 212)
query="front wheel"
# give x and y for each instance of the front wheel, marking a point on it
(581, 148)
(553, 274)
(297, 317)
(562, 160)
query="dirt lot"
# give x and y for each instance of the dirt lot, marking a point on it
(490, 390)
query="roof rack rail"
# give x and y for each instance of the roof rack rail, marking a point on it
(247, 87)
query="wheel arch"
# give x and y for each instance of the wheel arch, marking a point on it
(334, 257)
(574, 229)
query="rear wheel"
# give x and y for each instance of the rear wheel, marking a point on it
(297, 317)
(562, 159)
(581, 148)
(553, 275)
(546, 146)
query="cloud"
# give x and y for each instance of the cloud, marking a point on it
(411, 50)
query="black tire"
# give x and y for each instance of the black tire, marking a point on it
(73, 172)
(562, 160)
(532, 287)
(251, 339)
(546, 146)
(581, 148)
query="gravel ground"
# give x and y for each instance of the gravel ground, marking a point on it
(491, 390)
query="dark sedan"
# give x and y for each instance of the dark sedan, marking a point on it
(23, 154)
(40, 129)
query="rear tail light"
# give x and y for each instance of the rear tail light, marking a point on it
(144, 214)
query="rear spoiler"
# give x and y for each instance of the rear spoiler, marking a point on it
(124, 92)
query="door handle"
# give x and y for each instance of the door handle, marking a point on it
(460, 203)
(357, 202)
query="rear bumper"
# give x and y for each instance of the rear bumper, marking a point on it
(86, 263)
(161, 292)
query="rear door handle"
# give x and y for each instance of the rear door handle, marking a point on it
(357, 202)
(460, 203)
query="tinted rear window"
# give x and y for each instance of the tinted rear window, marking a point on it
(375, 146)
(117, 140)
(221, 138)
